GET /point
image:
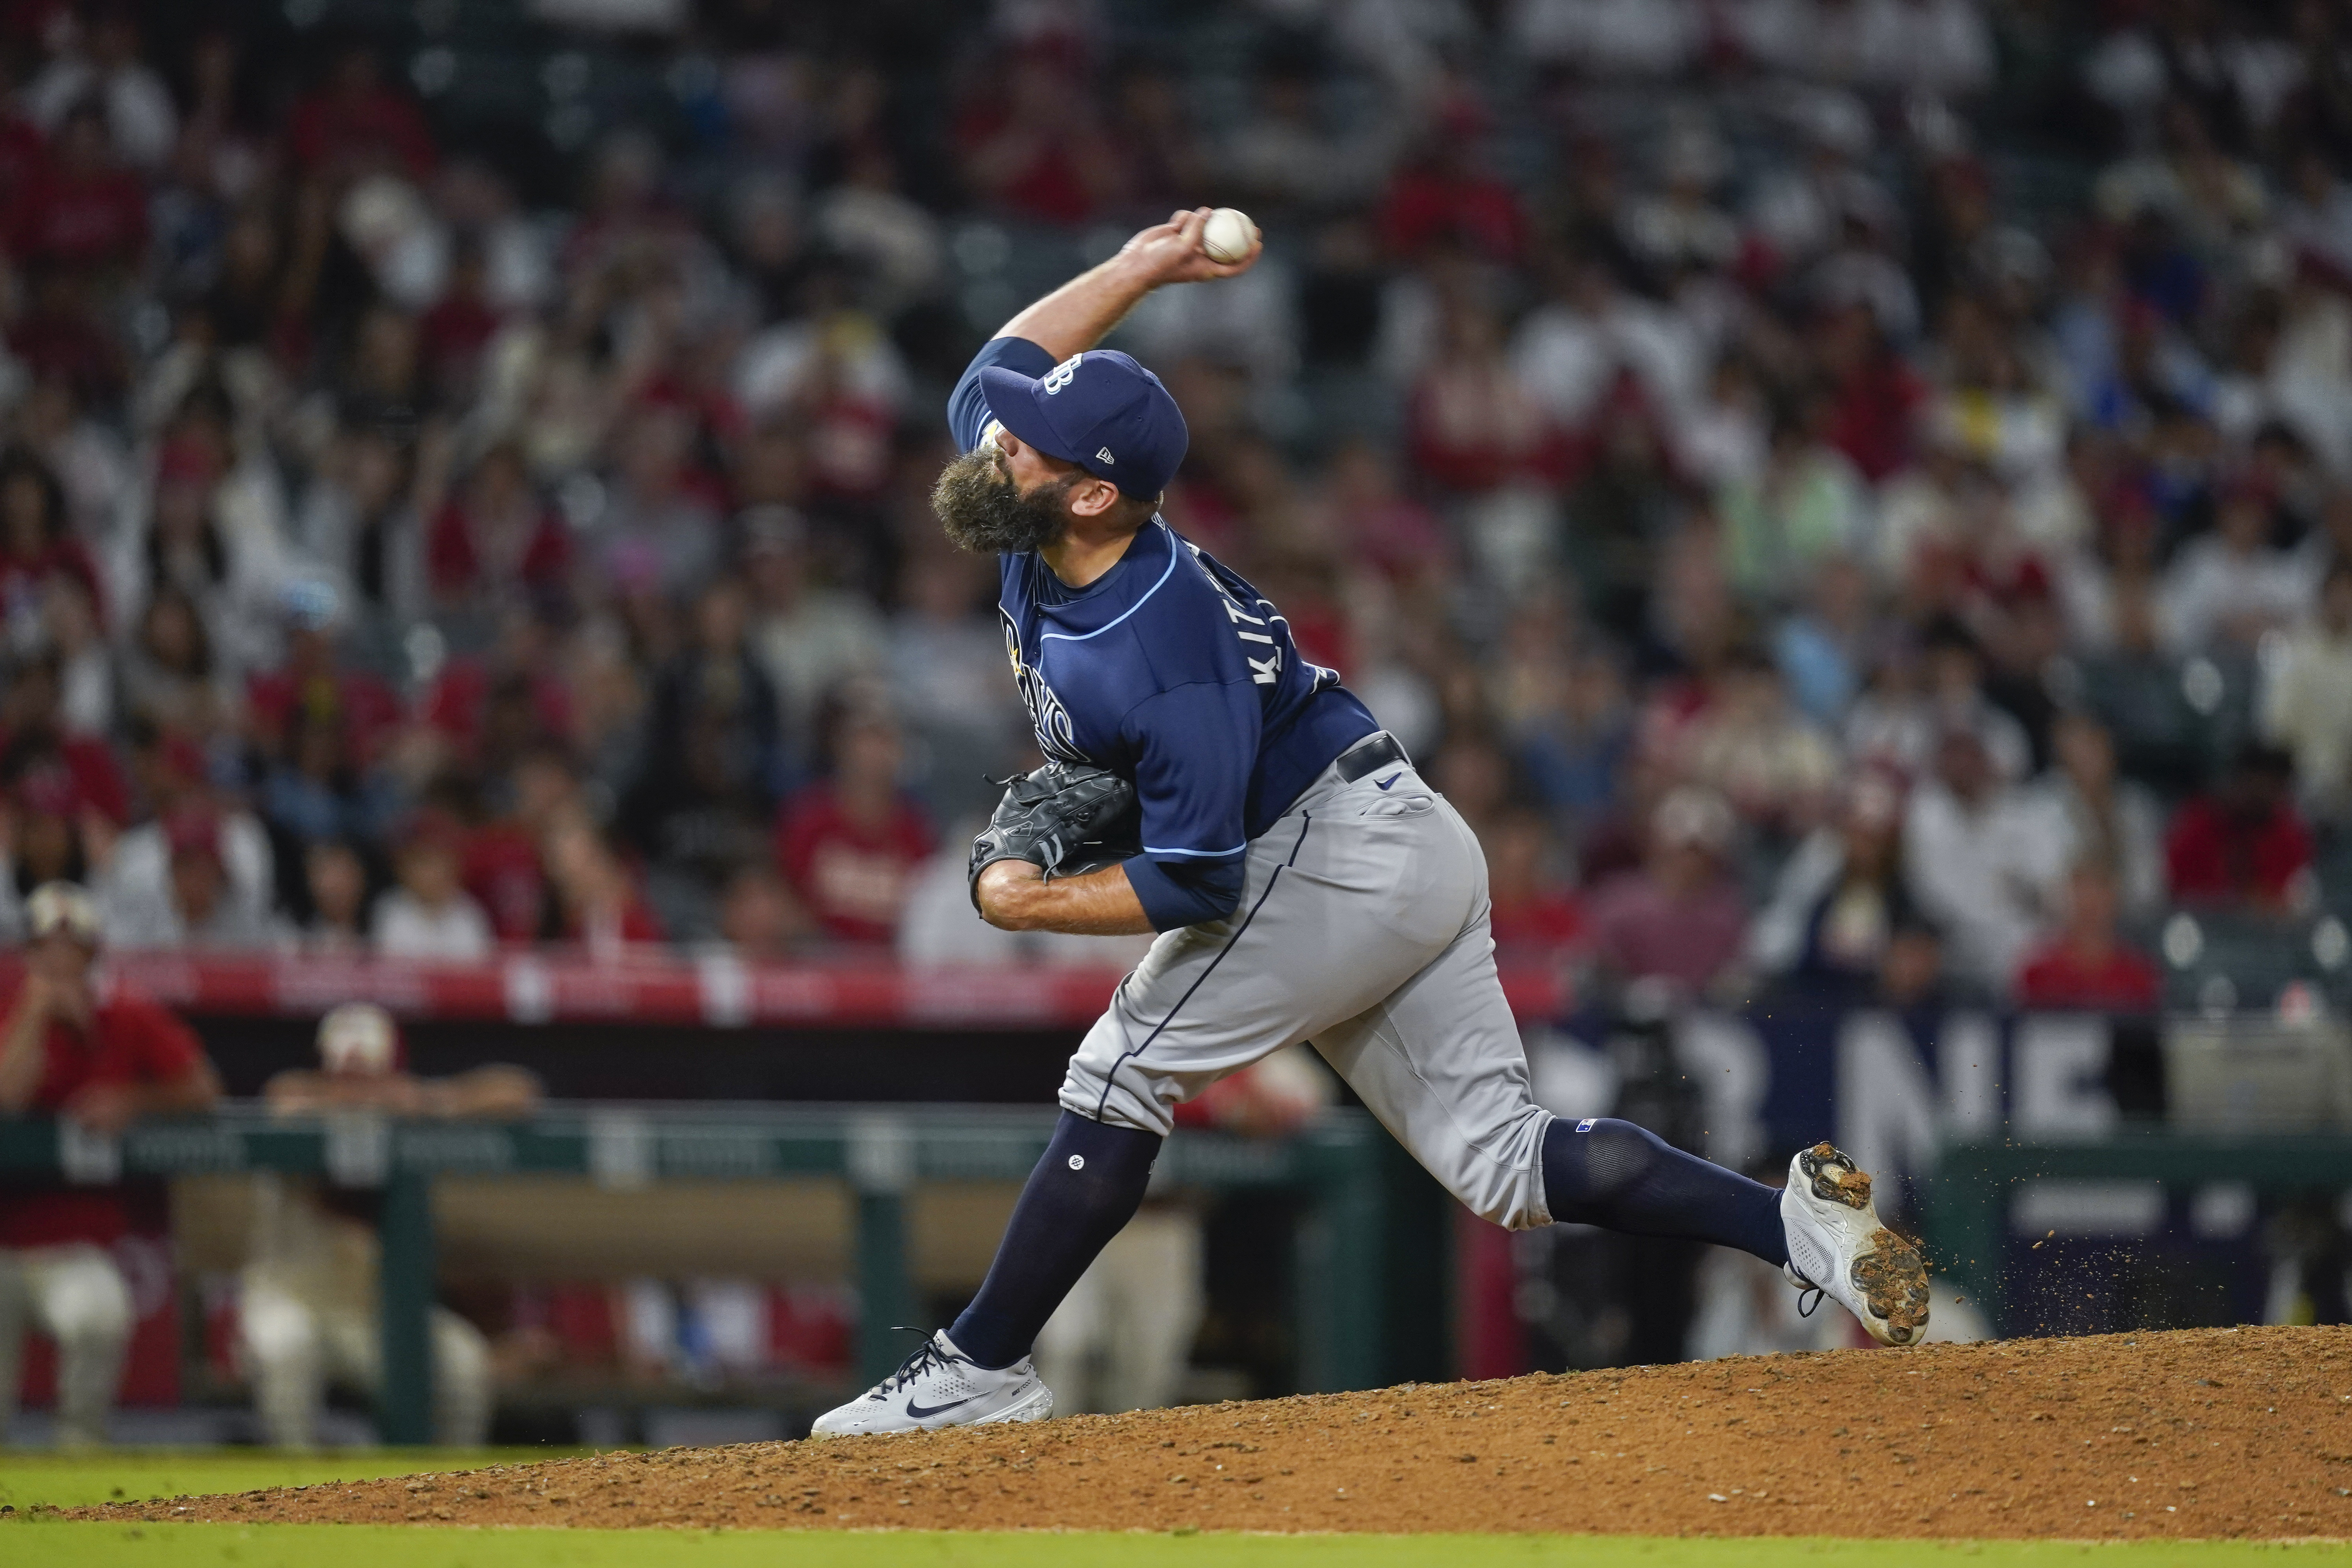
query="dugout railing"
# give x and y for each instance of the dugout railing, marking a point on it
(881, 1151)
(1966, 1204)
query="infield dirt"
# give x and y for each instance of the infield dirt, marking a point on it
(2223, 1432)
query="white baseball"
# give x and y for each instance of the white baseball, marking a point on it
(1228, 234)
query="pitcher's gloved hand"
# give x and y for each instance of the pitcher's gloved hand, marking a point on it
(1065, 818)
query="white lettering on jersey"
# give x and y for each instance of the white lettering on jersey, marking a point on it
(1264, 671)
(1062, 375)
(1047, 714)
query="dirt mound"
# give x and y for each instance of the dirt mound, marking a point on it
(2198, 1433)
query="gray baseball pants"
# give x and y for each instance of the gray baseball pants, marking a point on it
(1362, 927)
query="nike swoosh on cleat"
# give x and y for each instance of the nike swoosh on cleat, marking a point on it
(1388, 781)
(923, 1413)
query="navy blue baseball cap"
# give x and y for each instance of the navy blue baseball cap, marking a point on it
(1098, 409)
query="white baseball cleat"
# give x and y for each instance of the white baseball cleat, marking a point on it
(939, 1386)
(1837, 1244)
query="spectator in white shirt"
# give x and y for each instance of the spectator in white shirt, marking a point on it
(1985, 859)
(947, 679)
(2229, 587)
(1682, 226)
(138, 106)
(199, 906)
(2105, 819)
(809, 637)
(1914, 699)
(1937, 46)
(1285, 154)
(2317, 216)
(1613, 37)
(2306, 698)
(137, 892)
(429, 915)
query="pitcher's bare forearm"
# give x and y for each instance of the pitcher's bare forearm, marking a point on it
(1082, 312)
(1015, 895)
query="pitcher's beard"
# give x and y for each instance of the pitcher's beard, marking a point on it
(982, 510)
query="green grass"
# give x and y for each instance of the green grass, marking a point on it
(53, 1546)
(71, 1480)
(65, 1482)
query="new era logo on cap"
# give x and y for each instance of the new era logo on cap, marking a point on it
(1098, 409)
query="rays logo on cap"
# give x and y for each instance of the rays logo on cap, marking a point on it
(1097, 409)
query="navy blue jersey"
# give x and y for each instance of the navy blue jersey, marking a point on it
(1171, 670)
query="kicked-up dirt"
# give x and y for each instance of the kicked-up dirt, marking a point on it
(2226, 1432)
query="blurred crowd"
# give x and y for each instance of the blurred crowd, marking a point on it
(1846, 493)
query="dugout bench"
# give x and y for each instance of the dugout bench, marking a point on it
(881, 1151)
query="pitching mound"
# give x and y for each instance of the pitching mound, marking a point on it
(2199, 1433)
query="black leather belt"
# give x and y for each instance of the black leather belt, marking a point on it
(1369, 755)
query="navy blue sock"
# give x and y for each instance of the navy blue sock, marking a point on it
(1089, 1185)
(1618, 1176)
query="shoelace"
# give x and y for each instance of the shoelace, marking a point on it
(926, 1356)
(1809, 1300)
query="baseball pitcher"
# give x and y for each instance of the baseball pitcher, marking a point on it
(1206, 783)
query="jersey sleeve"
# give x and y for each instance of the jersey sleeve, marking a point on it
(968, 413)
(1193, 745)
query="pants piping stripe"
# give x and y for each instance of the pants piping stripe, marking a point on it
(1102, 1102)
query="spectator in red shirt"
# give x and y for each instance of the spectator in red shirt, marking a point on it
(1038, 150)
(595, 892)
(850, 845)
(354, 126)
(1536, 917)
(2086, 964)
(486, 710)
(47, 840)
(102, 1065)
(36, 544)
(503, 868)
(1877, 396)
(74, 775)
(1471, 425)
(1361, 501)
(313, 680)
(1680, 918)
(2242, 843)
(1446, 197)
(80, 209)
(459, 326)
